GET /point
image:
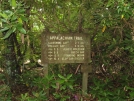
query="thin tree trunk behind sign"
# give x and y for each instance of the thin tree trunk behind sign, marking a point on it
(10, 61)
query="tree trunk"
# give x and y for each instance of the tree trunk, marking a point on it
(12, 70)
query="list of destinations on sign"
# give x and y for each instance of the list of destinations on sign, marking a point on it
(65, 48)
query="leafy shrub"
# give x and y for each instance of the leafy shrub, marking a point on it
(5, 92)
(112, 90)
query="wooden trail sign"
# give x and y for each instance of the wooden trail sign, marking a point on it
(65, 48)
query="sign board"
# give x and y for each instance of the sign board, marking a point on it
(65, 48)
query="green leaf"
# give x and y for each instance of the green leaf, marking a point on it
(19, 25)
(9, 32)
(19, 20)
(23, 18)
(69, 76)
(54, 86)
(60, 76)
(70, 86)
(14, 29)
(21, 10)
(36, 94)
(4, 20)
(13, 3)
(8, 13)
(4, 29)
(60, 81)
(3, 15)
(22, 30)
(63, 87)
(13, 18)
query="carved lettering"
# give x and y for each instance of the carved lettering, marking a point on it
(65, 48)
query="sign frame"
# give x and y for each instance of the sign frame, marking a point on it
(72, 48)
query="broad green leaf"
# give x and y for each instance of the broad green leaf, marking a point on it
(13, 18)
(14, 29)
(8, 13)
(22, 30)
(3, 15)
(13, 3)
(4, 29)
(54, 86)
(69, 76)
(19, 20)
(60, 81)
(9, 32)
(23, 18)
(71, 86)
(19, 25)
(4, 20)
(60, 76)
(36, 94)
(21, 11)
(63, 87)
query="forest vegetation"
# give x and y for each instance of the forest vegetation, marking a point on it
(110, 26)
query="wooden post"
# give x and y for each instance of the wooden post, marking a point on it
(43, 62)
(45, 70)
(85, 68)
(84, 83)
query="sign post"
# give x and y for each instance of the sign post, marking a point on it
(85, 68)
(45, 65)
(67, 48)
(84, 83)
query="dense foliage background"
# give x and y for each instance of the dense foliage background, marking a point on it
(110, 24)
